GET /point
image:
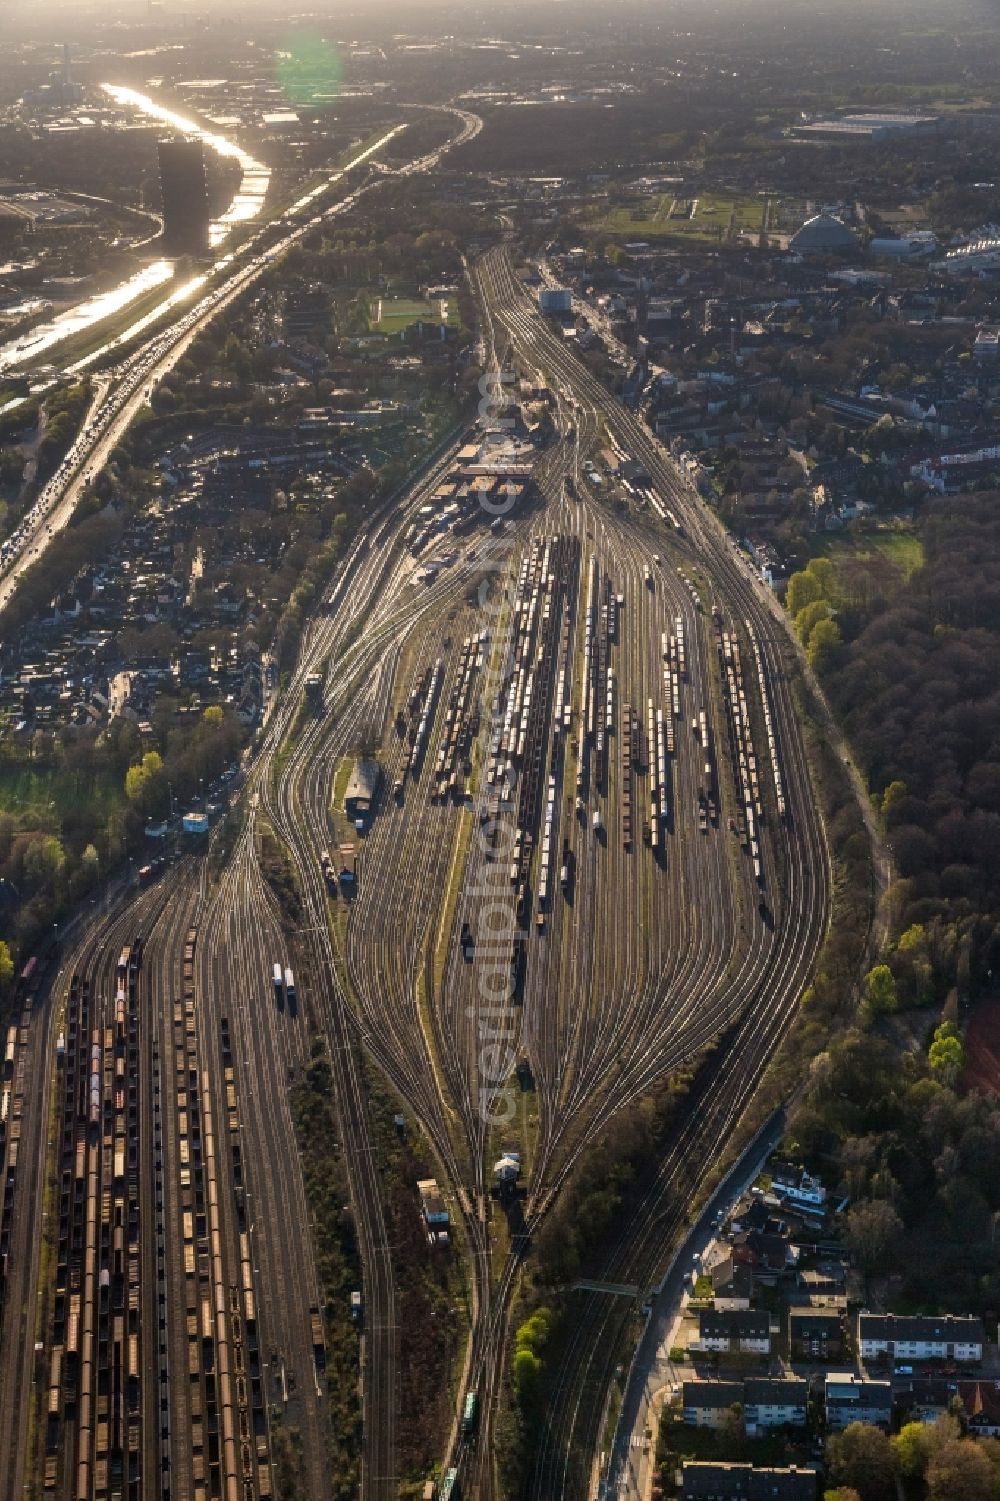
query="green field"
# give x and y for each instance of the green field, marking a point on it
(46, 798)
(391, 315)
(874, 565)
(711, 217)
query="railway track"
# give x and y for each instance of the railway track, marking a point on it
(551, 912)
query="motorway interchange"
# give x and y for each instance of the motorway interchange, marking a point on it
(596, 851)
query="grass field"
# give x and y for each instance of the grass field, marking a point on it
(390, 315)
(43, 799)
(875, 565)
(712, 217)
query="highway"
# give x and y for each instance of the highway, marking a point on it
(122, 389)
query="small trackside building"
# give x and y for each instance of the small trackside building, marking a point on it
(742, 1482)
(850, 1399)
(884, 1336)
(745, 1331)
(708, 1403)
(434, 1210)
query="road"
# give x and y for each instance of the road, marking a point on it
(632, 1466)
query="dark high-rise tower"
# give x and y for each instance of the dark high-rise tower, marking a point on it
(185, 197)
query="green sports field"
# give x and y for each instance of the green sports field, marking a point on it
(390, 315)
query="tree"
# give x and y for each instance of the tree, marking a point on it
(810, 616)
(733, 1431)
(916, 1444)
(880, 996)
(213, 714)
(527, 1378)
(960, 1471)
(946, 1055)
(871, 1229)
(861, 1460)
(529, 1343)
(803, 589)
(43, 861)
(146, 783)
(911, 1450)
(6, 964)
(821, 569)
(824, 638)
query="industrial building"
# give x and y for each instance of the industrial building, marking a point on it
(184, 192)
(362, 789)
(555, 300)
(865, 126)
(978, 255)
(823, 233)
(905, 247)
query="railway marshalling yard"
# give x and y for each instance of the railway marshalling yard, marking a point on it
(594, 852)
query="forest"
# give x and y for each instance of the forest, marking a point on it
(888, 1113)
(916, 683)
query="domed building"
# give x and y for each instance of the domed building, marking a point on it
(824, 232)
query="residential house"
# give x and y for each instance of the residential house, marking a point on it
(796, 1185)
(774, 1403)
(732, 1283)
(822, 1281)
(851, 1399)
(707, 1404)
(981, 1401)
(930, 1397)
(816, 1333)
(734, 1330)
(702, 1481)
(769, 1254)
(921, 1337)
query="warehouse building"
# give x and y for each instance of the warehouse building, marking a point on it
(362, 789)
